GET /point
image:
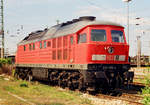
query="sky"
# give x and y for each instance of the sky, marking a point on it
(22, 17)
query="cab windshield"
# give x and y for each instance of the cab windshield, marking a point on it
(98, 35)
(117, 36)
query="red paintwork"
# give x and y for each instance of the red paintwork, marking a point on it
(76, 53)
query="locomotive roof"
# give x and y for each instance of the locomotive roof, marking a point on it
(62, 30)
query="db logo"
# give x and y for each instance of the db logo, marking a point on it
(110, 50)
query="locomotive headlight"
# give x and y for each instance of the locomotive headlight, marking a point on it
(122, 58)
(98, 57)
(119, 57)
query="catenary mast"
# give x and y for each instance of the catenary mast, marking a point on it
(2, 28)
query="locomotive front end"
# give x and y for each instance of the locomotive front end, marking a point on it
(108, 56)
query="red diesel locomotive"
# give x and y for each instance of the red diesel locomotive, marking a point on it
(83, 54)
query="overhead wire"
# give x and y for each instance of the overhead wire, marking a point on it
(96, 5)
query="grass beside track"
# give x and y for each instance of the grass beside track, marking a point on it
(146, 81)
(39, 94)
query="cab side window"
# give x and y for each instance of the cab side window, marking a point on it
(24, 48)
(33, 46)
(44, 44)
(30, 47)
(71, 40)
(82, 38)
(40, 45)
(49, 44)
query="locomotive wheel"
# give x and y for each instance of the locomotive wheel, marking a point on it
(113, 82)
(63, 83)
(53, 77)
(81, 86)
(60, 83)
(119, 81)
(70, 83)
(29, 76)
(22, 75)
(71, 79)
(62, 79)
(75, 84)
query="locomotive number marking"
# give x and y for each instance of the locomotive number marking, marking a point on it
(110, 57)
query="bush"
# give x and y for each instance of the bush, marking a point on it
(146, 100)
(5, 66)
(146, 93)
(24, 84)
(5, 61)
(7, 69)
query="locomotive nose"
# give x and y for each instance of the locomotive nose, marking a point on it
(116, 53)
(111, 53)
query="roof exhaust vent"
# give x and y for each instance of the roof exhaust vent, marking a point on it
(75, 20)
(87, 18)
(67, 23)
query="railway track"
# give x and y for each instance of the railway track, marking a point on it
(138, 84)
(124, 98)
(131, 98)
(117, 97)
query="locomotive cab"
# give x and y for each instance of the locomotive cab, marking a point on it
(108, 55)
(108, 44)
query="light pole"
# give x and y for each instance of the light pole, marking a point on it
(138, 51)
(2, 28)
(127, 1)
(139, 45)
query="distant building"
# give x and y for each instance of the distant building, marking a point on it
(144, 60)
(7, 55)
(12, 58)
